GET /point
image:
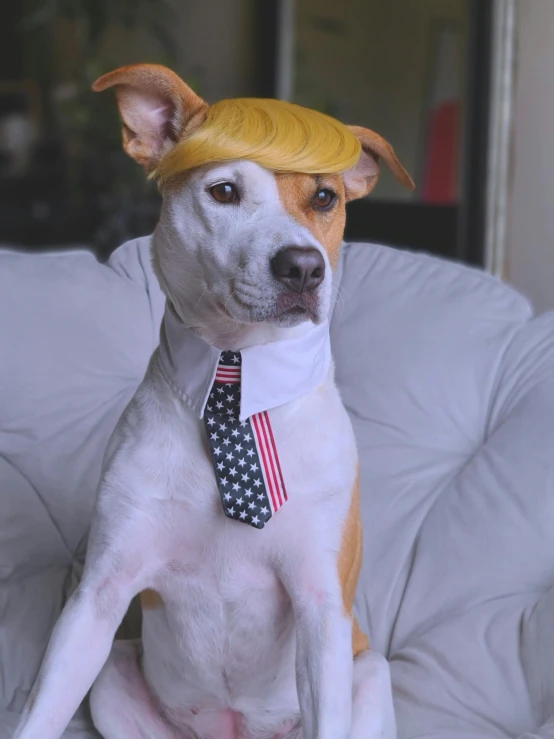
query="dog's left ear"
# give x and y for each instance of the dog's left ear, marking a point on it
(362, 178)
(157, 108)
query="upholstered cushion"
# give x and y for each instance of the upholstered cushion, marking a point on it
(450, 383)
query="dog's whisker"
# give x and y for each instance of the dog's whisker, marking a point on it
(338, 294)
(200, 298)
(231, 295)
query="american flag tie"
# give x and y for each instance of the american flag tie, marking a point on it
(245, 457)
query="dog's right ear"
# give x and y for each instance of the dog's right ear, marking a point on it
(157, 109)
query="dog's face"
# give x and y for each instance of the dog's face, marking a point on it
(237, 241)
(237, 245)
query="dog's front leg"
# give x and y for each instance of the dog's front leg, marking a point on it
(324, 663)
(79, 646)
(83, 636)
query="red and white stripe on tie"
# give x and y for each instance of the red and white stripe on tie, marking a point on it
(267, 452)
(227, 373)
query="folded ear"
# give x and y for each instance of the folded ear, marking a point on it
(157, 108)
(362, 178)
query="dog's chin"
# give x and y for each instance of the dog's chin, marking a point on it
(285, 311)
(291, 317)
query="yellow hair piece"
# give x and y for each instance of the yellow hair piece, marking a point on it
(278, 135)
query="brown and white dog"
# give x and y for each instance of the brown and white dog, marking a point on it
(246, 634)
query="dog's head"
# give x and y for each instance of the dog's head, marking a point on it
(254, 195)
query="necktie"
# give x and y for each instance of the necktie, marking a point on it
(244, 454)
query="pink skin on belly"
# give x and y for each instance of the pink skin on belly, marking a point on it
(219, 724)
(226, 725)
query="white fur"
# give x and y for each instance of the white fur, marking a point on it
(252, 638)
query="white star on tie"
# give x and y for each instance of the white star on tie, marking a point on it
(234, 433)
(211, 421)
(229, 398)
(248, 493)
(227, 497)
(230, 414)
(220, 466)
(241, 462)
(250, 452)
(220, 390)
(243, 424)
(217, 450)
(219, 405)
(240, 501)
(245, 477)
(247, 437)
(229, 456)
(222, 427)
(231, 511)
(254, 467)
(242, 515)
(264, 510)
(255, 519)
(226, 442)
(224, 481)
(233, 471)
(257, 482)
(238, 447)
(252, 505)
(260, 496)
(212, 395)
(209, 408)
(235, 359)
(214, 436)
(236, 486)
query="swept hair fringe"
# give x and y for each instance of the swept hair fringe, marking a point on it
(278, 135)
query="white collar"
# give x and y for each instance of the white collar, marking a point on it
(272, 374)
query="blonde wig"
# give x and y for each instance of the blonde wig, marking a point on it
(278, 135)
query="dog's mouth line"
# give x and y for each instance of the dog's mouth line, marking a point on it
(222, 306)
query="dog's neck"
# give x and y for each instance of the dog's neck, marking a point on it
(273, 373)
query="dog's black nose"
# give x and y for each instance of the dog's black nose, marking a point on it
(301, 269)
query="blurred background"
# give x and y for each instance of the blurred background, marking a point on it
(461, 88)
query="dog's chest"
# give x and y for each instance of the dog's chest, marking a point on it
(217, 620)
(219, 613)
(204, 549)
(219, 623)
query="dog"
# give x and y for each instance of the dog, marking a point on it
(248, 630)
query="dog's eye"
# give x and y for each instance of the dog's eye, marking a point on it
(224, 192)
(324, 199)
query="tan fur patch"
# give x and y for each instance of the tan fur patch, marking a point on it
(297, 192)
(349, 565)
(150, 600)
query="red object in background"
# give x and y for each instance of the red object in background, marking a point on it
(440, 178)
